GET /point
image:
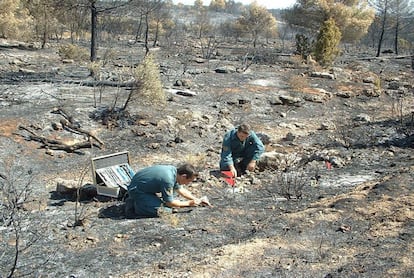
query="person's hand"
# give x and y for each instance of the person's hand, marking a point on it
(251, 166)
(195, 202)
(233, 171)
(205, 201)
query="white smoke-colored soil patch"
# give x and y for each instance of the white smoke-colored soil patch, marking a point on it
(274, 82)
(346, 180)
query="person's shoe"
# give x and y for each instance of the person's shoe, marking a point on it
(129, 208)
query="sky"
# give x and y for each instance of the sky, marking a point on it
(270, 4)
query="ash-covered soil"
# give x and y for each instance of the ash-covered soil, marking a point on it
(333, 195)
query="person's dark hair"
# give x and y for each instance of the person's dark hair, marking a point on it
(187, 169)
(245, 128)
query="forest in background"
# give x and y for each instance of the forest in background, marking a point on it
(383, 25)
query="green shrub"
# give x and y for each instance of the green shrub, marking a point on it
(151, 91)
(148, 88)
(303, 46)
(94, 69)
(326, 47)
(108, 56)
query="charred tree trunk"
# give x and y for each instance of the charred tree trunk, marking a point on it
(412, 60)
(94, 16)
(397, 26)
(139, 30)
(146, 34)
(156, 34)
(45, 27)
(382, 29)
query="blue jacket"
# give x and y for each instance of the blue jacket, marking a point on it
(156, 179)
(232, 149)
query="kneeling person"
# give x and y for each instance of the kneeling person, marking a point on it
(241, 148)
(164, 180)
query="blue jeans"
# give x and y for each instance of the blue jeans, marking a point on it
(240, 164)
(147, 204)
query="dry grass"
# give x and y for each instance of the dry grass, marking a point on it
(298, 82)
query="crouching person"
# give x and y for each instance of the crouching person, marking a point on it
(154, 190)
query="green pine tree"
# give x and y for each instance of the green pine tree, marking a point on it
(327, 43)
(148, 88)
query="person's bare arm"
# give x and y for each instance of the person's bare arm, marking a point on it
(190, 202)
(181, 204)
(233, 170)
(187, 194)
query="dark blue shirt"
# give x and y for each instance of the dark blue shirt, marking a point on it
(232, 149)
(156, 179)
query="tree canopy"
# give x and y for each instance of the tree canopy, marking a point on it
(257, 20)
(352, 17)
(15, 20)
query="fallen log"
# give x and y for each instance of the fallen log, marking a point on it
(102, 83)
(70, 124)
(67, 124)
(57, 144)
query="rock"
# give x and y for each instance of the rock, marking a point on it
(68, 61)
(264, 138)
(199, 60)
(178, 140)
(337, 162)
(394, 85)
(315, 98)
(344, 94)
(276, 160)
(186, 93)
(371, 92)
(275, 101)
(226, 69)
(291, 101)
(327, 126)
(322, 75)
(370, 79)
(57, 126)
(183, 82)
(64, 186)
(28, 71)
(244, 101)
(289, 137)
(362, 118)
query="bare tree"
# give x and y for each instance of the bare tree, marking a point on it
(392, 17)
(382, 7)
(96, 8)
(146, 10)
(400, 10)
(45, 22)
(15, 219)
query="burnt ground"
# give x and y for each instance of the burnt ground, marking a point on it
(333, 196)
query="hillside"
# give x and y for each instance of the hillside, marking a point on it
(333, 195)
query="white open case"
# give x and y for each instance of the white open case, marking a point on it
(112, 173)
